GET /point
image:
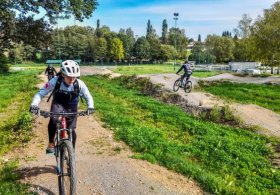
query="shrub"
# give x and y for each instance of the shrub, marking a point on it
(4, 67)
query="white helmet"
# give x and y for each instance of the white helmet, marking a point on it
(70, 68)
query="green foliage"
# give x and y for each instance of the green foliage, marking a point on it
(12, 84)
(144, 69)
(266, 96)
(221, 114)
(221, 47)
(9, 184)
(224, 160)
(16, 91)
(4, 67)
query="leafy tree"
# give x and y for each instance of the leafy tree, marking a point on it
(4, 67)
(164, 34)
(100, 48)
(155, 49)
(178, 38)
(199, 38)
(244, 26)
(81, 9)
(167, 52)
(36, 33)
(127, 37)
(243, 50)
(141, 49)
(116, 49)
(151, 32)
(266, 36)
(220, 47)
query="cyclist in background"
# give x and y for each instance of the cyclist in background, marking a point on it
(66, 89)
(187, 70)
(50, 71)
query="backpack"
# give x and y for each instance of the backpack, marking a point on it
(57, 87)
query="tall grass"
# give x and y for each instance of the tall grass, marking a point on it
(266, 96)
(222, 159)
(16, 92)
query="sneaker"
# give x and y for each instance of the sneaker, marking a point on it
(50, 149)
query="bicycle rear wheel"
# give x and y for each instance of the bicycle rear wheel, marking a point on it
(67, 178)
(188, 87)
(176, 85)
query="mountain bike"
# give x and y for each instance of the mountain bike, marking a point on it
(64, 152)
(182, 83)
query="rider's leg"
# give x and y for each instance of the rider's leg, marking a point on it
(55, 107)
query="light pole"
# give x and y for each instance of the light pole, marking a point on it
(175, 40)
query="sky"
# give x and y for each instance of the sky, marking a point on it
(195, 16)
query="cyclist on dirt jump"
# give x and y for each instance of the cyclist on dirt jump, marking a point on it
(66, 89)
(50, 71)
(187, 70)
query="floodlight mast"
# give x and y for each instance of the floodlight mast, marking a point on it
(175, 40)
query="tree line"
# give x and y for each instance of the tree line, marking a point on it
(38, 40)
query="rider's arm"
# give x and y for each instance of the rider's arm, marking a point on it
(179, 69)
(47, 88)
(84, 92)
(54, 71)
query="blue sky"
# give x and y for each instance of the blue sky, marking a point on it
(195, 16)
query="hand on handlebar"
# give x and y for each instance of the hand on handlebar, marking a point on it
(34, 110)
(90, 111)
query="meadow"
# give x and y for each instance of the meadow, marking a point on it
(16, 92)
(266, 96)
(158, 69)
(222, 159)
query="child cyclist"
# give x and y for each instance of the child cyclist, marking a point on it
(66, 89)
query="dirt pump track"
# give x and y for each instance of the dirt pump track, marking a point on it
(104, 169)
(104, 166)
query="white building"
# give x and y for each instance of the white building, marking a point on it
(235, 66)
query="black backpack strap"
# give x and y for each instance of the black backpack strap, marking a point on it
(77, 89)
(57, 86)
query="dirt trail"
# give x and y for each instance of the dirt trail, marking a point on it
(104, 166)
(266, 120)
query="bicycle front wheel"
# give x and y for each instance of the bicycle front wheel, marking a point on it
(176, 85)
(188, 87)
(67, 178)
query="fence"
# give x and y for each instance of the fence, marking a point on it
(211, 67)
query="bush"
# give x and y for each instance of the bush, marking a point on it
(4, 67)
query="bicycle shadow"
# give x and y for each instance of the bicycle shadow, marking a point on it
(28, 172)
(41, 190)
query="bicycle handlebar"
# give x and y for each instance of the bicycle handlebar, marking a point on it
(49, 114)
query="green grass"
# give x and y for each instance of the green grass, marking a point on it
(9, 180)
(11, 84)
(205, 74)
(16, 92)
(145, 69)
(266, 96)
(222, 159)
(157, 69)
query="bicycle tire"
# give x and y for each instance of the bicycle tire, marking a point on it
(188, 87)
(67, 179)
(176, 85)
